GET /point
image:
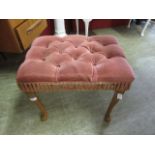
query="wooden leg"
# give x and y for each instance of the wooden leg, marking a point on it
(113, 102)
(34, 98)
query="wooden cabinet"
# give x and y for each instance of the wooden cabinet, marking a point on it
(16, 35)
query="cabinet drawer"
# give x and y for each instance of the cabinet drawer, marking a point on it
(15, 22)
(29, 30)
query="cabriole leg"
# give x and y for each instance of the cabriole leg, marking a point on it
(34, 98)
(116, 97)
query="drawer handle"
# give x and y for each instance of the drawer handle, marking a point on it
(37, 23)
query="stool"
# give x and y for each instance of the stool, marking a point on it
(75, 62)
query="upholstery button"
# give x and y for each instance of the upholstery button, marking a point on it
(58, 65)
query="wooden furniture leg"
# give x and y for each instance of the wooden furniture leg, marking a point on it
(34, 98)
(113, 102)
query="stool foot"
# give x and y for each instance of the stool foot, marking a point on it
(107, 118)
(44, 116)
(116, 97)
(34, 98)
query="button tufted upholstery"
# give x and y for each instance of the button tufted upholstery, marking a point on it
(75, 58)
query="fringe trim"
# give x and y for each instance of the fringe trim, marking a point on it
(35, 87)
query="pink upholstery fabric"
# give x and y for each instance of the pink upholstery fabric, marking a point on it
(75, 58)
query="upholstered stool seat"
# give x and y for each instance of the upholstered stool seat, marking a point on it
(75, 62)
(75, 58)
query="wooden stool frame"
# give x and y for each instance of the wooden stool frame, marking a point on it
(32, 88)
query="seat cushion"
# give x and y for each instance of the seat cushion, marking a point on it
(75, 58)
